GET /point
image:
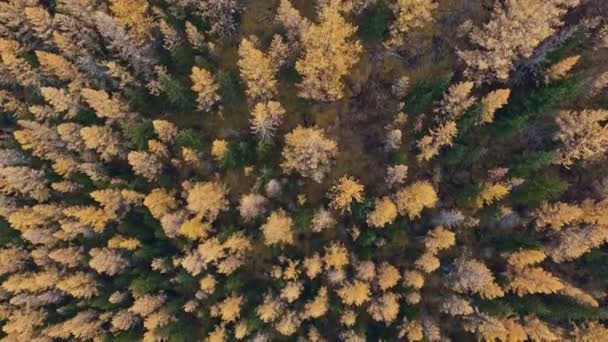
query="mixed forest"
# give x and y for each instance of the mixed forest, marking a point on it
(303, 170)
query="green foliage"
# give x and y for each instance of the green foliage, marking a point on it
(191, 139)
(463, 154)
(239, 155)
(536, 190)
(231, 90)
(138, 133)
(526, 106)
(525, 164)
(176, 93)
(7, 234)
(148, 282)
(303, 219)
(425, 92)
(374, 27)
(140, 100)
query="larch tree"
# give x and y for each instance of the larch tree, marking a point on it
(492, 102)
(207, 199)
(582, 135)
(308, 152)
(385, 212)
(409, 15)
(516, 28)
(257, 71)
(414, 198)
(278, 229)
(344, 192)
(329, 53)
(205, 87)
(266, 117)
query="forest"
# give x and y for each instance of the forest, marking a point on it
(303, 170)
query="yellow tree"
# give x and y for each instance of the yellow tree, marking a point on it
(329, 53)
(278, 229)
(133, 15)
(516, 28)
(409, 15)
(309, 152)
(355, 293)
(439, 239)
(205, 87)
(533, 280)
(414, 198)
(582, 135)
(265, 119)
(385, 212)
(492, 102)
(344, 192)
(257, 71)
(207, 199)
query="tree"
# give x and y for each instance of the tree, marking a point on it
(266, 117)
(581, 135)
(430, 145)
(160, 202)
(385, 212)
(521, 259)
(456, 306)
(205, 87)
(439, 239)
(514, 31)
(252, 205)
(470, 275)
(104, 106)
(355, 293)
(133, 15)
(560, 69)
(278, 229)
(456, 101)
(557, 215)
(533, 280)
(336, 256)
(328, 54)
(103, 140)
(145, 164)
(388, 276)
(308, 152)
(257, 71)
(410, 15)
(414, 198)
(79, 285)
(229, 310)
(344, 192)
(385, 309)
(207, 199)
(24, 181)
(492, 102)
(106, 260)
(317, 307)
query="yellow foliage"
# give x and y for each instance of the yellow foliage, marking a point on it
(57, 65)
(160, 202)
(439, 239)
(133, 14)
(207, 199)
(427, 262)
(413, 279)
(557, 215)
(388, 276)
(344, 192)
(534, 280)
(308, 152)
(336, 256)
(525, 258)
(278, 229)
(561, 68)
(119, 241)
(257, 71)
(492, 102)
(355, 293)
(205, 87)
(413, 198)
(328, 54)
(219, 148)
(318, 306)
(385, 212)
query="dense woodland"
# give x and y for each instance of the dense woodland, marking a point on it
(301, 170)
